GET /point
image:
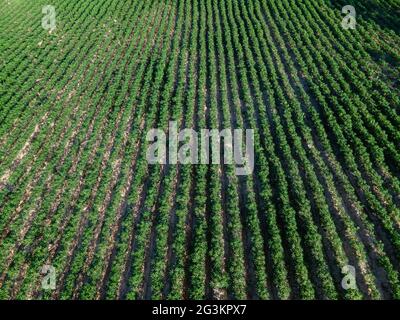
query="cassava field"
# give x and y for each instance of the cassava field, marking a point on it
(85, 215)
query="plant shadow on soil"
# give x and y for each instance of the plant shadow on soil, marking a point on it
(385, 15)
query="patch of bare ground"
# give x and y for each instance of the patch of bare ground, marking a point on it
(116, 169)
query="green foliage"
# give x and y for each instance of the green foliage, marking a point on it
(77, 192)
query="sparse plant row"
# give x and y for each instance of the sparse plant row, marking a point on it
(129, 202)
(120, 255)
(42, 177)
(84, 102)
(60, 227)
(98, 205)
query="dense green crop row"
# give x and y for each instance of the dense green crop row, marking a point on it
(77, 191)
